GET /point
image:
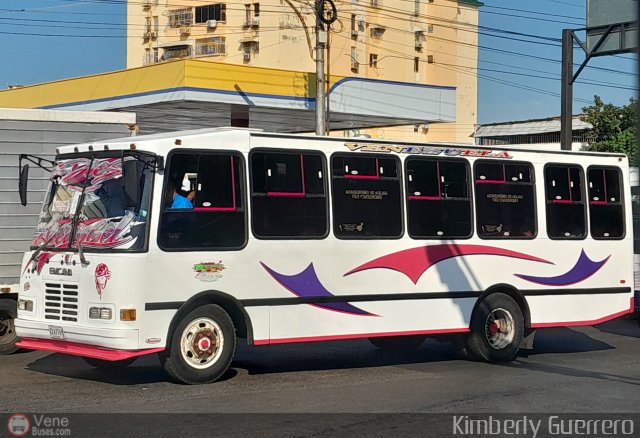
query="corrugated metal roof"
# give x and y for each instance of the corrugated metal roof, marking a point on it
(526, 127)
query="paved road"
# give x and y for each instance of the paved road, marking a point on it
(587, 369)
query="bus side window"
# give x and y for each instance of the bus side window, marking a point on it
(606, 209)
(505, 200)
(212, 213)
(366, 194)
(566, 212)
(438, 202)
(288, 194)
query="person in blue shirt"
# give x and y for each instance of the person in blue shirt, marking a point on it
(180, 201)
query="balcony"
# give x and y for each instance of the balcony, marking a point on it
(185, 30)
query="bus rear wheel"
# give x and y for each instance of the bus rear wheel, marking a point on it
(202, 346)
(398, 343)
(497, 328)
(8, 337)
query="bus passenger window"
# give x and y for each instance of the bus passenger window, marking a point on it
(288, 195)
(505, 200)
(203, 206)
(566, 212)
(606, 209)
(366, 194)
(438, 202)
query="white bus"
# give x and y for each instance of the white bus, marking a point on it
(178, 243)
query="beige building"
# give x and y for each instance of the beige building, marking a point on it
(423, 42)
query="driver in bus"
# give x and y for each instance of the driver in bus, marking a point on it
(180, 201)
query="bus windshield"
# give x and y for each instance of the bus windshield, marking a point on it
(89, 203)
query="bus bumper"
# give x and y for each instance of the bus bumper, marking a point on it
(84, 350)
(98, 343)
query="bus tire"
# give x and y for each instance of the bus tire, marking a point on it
(398, 343)
(497, 328)
(8, 337)
(109, 364)
(202, 346)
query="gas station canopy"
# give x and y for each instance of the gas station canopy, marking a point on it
(190, 94)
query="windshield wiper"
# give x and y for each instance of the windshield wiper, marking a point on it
(40, 248)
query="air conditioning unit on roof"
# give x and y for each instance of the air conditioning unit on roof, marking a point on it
(212, 24)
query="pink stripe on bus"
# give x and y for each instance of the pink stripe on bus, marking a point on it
(289, 194)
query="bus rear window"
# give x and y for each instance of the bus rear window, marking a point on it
(438, 202)
(566, 212)
(288, 197)
(505, 200)
(366, 196)
(606, 209)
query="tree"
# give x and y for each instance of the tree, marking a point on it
(614, 128)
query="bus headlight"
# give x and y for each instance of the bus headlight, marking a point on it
(100, 313)
(25, 305)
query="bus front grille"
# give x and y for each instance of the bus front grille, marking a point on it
(61, 302)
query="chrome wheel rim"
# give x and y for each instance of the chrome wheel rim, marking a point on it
(201, 343)
(500, 328)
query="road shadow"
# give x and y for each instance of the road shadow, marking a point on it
(563, 340)
(572, 372)
(145, 370)
(625, 326)
(336, 355)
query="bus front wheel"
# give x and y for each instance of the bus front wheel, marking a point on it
(497, 328)
(202, 346)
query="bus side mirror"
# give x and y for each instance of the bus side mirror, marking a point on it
(131, 182)
(22, 184)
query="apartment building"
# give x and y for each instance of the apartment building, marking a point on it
(422, 42)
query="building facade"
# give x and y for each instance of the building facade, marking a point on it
(431, 42)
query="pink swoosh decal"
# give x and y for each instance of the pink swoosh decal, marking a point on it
(414, 262)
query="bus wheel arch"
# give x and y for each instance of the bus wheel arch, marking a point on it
(229, 304)
(513, 293)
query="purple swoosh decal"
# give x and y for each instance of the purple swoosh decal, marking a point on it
(306, 285)
(583, 269)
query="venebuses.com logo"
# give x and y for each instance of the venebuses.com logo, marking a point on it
(18, 425)
(38, 425)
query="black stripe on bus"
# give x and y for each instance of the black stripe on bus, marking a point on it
(289, 301)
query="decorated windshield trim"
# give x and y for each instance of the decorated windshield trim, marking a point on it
(427, 150)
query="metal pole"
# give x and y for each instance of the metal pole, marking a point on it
(321, 40)
(566, 104)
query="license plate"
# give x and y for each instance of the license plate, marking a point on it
(56, 332)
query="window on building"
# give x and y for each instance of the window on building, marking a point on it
(155, 55)
(505, 200)
(438, 200)
(354, 29)
(416, 64)
(180, 17)
(288, 196)
(366, 193)
(373, 60)
(355, 65)
(217, 11)
(211, 46)
(606, 209)
(419, 39)
(566, 212)
(156, 24)
(176, 52)
(203, 205)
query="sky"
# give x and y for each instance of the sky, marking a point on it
(518, 74)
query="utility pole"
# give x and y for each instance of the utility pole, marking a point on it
(321, 41)
(566, 103)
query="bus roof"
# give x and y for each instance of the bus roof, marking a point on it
(142, 142)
